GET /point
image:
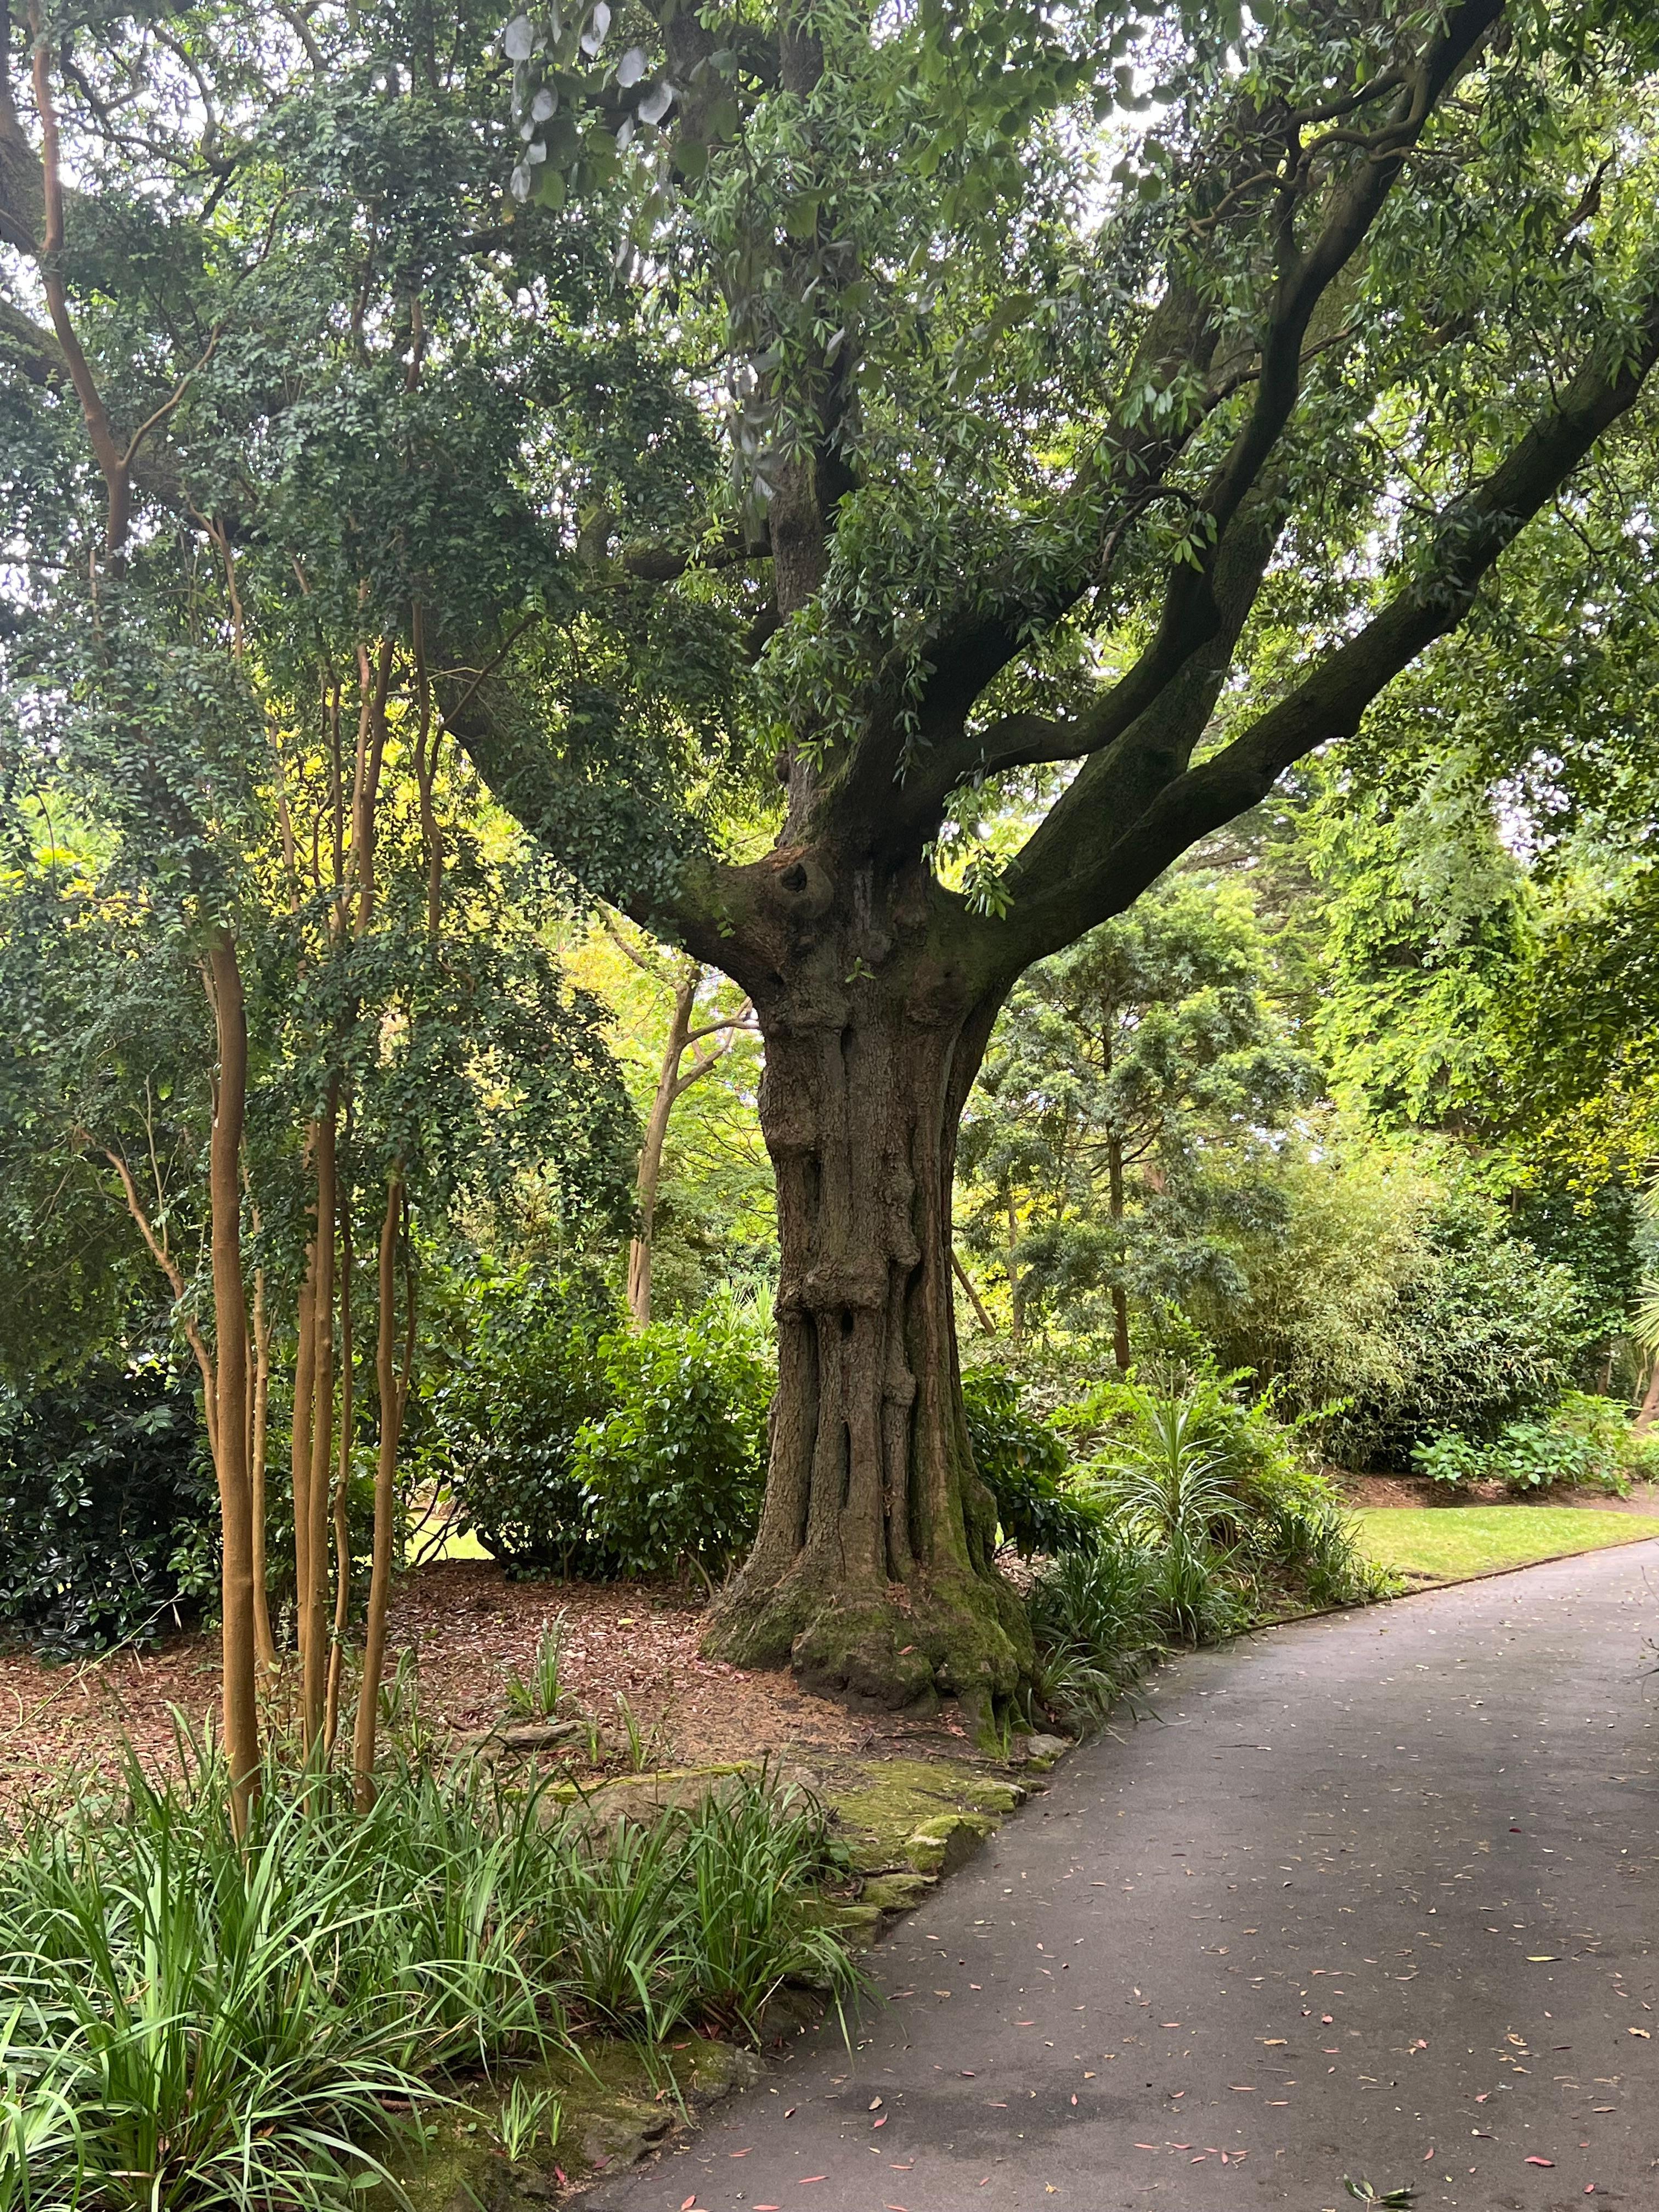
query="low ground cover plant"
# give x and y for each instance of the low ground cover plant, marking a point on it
(1581, 1442)
(188, 2023)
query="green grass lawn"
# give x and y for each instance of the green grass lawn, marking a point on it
(1447, 1542)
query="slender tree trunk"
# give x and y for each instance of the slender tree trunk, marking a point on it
(313, 1639)
(872, 1569)
(392, 1397)
(241, 1724)
(342, 1483)
(973, 1297)
(264, 1644)
(1016, 1286)
(650, 1151)
(1115, 1205)
(305, 1358)
(1649, 1404)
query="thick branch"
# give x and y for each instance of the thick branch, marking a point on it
(1064, 884)
(975, 647)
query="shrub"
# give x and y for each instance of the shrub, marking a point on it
(1093, 1618)
(1487, 1332)
(104, 1486)
(500, 1426)
(1022, 1461)
(675, 1469)
(1582, 1440)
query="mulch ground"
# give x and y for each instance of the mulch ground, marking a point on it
(1373, 1490)
(466, 1628)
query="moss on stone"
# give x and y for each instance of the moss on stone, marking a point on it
(890, 1810)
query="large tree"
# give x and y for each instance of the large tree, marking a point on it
(1036, 471)
(959, 441)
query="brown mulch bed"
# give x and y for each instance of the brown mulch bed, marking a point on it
(1369, 1489)
(467, 1628)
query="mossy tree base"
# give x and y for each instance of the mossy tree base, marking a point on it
(904, 1648)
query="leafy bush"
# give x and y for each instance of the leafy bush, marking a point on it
(1171, 1490)
(499, 1427)
(579, 1447)
(190, 2024)
(1226, 1494)
(1021, 1461)
(1094, 1617)
(1487, 1332)
(1582, 1441)
(103, 1485)
(675, 1469)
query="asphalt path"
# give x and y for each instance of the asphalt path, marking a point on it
(1371, 1895)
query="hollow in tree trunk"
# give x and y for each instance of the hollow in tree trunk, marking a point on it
(873, 1568)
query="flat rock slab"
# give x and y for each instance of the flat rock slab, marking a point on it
(1372, 1894)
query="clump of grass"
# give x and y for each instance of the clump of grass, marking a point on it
(538, 1698)
(187, 2024)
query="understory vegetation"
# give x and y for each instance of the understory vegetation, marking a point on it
(190, 2022)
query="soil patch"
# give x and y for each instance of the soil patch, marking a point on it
(1367, 1491)
(466, 1629)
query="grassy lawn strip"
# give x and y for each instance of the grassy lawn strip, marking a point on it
(1446, 1543)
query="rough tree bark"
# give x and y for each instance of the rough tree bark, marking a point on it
(873, 1567)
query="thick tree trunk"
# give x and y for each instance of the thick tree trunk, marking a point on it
(230, 1426)
(873, 1568)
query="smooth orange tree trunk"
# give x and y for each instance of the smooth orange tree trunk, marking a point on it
(386, 1469)
(231, 1426)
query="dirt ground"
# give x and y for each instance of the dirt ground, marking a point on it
(466, 1628)
(1373, 1490)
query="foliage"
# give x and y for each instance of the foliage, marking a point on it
(672, 1470)
(500, 1423)
(1486, 1331)
(1581, 1441)
(1171, 1488)
(103, 1485)
(576, 1447)
(1124, 1079)
(539, 1698)
(191, 2024)
(1021, 1461)
(1211, 1516)
(1094, 1617)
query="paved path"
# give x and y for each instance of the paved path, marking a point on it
(1373, 1895)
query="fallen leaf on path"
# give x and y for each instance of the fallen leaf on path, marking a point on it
(1428, 2154)
(881, 2123)
(1645, 2033)
(689, 2205)
(1538, 2161)
(875, 2104)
